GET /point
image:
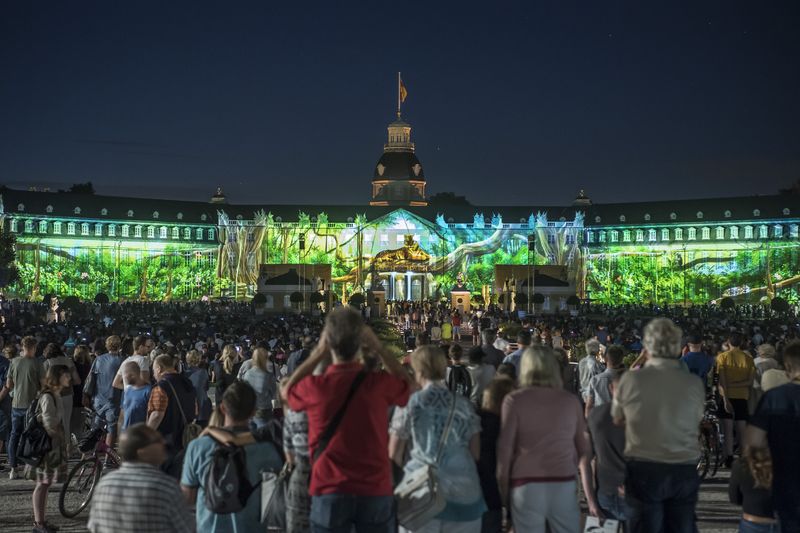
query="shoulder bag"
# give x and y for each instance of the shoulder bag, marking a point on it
(191, 430)
(274, 484)
(419, 497)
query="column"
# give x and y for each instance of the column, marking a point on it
(408, 285)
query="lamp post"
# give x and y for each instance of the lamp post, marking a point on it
(531, 266)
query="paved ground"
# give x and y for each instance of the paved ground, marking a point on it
(715, 514)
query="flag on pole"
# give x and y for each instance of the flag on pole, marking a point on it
(403, 92)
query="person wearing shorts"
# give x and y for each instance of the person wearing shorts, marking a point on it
(736, 371)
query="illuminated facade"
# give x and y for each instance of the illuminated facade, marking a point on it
(675, 252)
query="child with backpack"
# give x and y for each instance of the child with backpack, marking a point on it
(458, 378)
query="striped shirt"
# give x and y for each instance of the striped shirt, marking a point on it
(139, 497)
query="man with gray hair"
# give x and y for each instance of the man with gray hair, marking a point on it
(589, 367)
(661, 406)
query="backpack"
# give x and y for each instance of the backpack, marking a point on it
(34, 443)
(460, 380)
(227, 487)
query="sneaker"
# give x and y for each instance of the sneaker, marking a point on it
(13, 474)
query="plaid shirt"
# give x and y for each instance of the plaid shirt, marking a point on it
(139, 497)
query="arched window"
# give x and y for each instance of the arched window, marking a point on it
(211, 234)
(692, 234)
(42, 226)
(748, 232)
(151, 232)
(187, 233)
(651, 235)
(720, 233)
(734, 232)
(176, 232)
(70, 228)
(57, 227)
(678, 234)
(763, 232)
(706, 233)
(626, 235)
(98, 230)
(126, 230)
(14, 225)
(665, 234)
(614, 235)
(162, 232)
(137, 231)
(777, 231)
(589, 236)
(29, 226)
(112, 230)
(85, 228)
(199, 234)
(602, 236)
(639, 235)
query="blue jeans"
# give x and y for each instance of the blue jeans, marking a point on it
(662, 497)
(340, 513)
(17, 427)
(752, 527)
(614, 506)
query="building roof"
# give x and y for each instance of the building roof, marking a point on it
(288, 278)
(143, 210)
(398, 166)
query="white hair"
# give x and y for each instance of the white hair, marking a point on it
(662, 338)
(592, 347)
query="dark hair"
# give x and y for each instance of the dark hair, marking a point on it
(475, 355)
(507, 369)
(343, 327)
(52, 350)
(524, 337)
(136, 437)
(239, 400)
(455, 351)
(614, 355)
(735, 340)
(138, 341)
(53, 376)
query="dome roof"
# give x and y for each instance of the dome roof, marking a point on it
(398, 166)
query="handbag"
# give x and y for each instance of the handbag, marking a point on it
(90, 387)
(274, 487)
(419, 497)
(34, 443)
(191, 430)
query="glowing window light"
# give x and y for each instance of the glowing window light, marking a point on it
(70, 228)
(664, 234)
(692, 234)
(678, 234)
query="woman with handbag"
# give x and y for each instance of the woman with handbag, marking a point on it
(543, 443)
(48, 412)
(443, 432)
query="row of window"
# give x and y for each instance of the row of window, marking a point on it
(692, 234)
(86, 229)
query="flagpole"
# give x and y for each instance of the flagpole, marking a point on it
(398, 94)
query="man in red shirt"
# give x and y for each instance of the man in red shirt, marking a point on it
(351, 481)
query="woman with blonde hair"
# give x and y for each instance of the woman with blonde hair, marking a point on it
(423, 425)
(264, 383)
(48, 412)
(751, 487)
(543, 443)
(225, 371)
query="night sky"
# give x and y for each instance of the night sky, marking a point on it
(510, 105)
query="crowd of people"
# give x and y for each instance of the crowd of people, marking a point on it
(491, 422)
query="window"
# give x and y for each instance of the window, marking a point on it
(176, 233)
(734, 232)
(14, 224)
(570, 238)
(137, 231)
(57, 228)
(651, 235)
(706, 233)
(187, 233)
(85, 228)
(29, 226)
(270, 302)
(639, 235)
(614, 235)
(70, 228)
(692, 234)
(162, 232)
(211, 234)
(551, 238)
(151, 232)
(748, 232)
(551, 258)
(763, 232)
(589, 236)
(678, 234)
(720, 233)
(42, 226)
(98, 230)
(602, 236)
(112, 230)
(198, 234)
(664, 234)
(126, 230)
(287, 301)
(777, 231)
(626, 235)
(793, 231)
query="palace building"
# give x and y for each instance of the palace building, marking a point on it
(399, 246)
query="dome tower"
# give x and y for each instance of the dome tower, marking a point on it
(398, 178)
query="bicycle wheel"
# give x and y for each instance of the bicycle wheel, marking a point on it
(79, 486)
(705, 456)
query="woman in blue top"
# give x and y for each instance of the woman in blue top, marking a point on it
(420, 425)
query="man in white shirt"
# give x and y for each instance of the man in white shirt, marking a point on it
(141, 348)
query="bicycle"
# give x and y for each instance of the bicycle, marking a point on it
(711, 439)
(77, 491)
